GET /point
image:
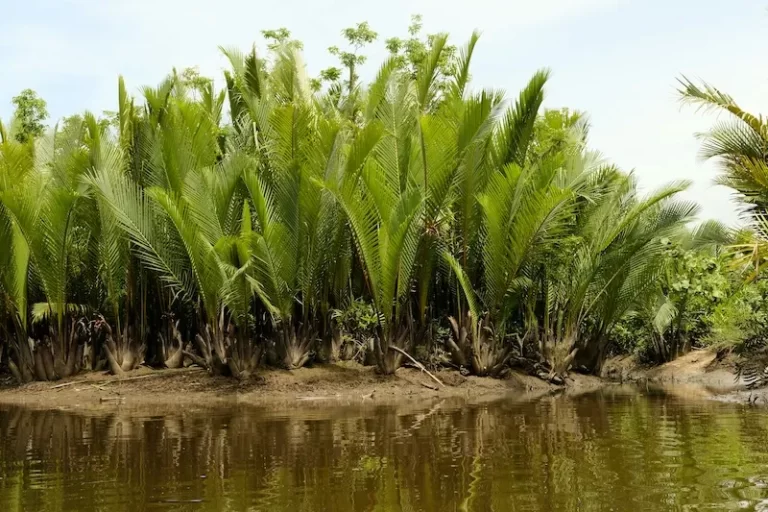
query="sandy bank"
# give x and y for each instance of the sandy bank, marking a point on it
(698, 374)
(343, 382)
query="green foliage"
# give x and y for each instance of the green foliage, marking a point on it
(396, 210)
(31, 111)
(357, 320)
(280, 37)
(346, 96)
(190, 78)
(738, 144)
(560, 131)
(741, 322)
(413, 52)
(700, 300)
(357, 37)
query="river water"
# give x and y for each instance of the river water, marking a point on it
(605, 451)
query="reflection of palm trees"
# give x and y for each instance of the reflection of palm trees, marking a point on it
(587, 453)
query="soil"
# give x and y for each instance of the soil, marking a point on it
(345, 382)
(698, 374)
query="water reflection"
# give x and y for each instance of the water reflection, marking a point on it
(595, 452)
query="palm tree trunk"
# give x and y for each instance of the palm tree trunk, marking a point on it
(172, 348)
(21, 360)
(388, 360)
(591, 355)
(243, 356)
(212, 351)
(294, 348)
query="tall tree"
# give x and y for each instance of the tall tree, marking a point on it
(31, 111)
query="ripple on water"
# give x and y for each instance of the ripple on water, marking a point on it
(593, 452)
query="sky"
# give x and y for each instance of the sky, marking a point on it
(617, 60)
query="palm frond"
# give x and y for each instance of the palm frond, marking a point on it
(517, 127)
(709, 97)
(460, 74)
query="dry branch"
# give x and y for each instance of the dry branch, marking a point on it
(418, 364)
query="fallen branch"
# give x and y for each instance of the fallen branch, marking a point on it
(158, 374)
(418, 364)
(124, 379)
(66, 384)
(429, 386)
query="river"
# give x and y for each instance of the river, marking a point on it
(610, 450)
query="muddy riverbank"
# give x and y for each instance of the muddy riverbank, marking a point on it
(343, 382)
(700, 374)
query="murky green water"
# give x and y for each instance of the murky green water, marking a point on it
(597, 452)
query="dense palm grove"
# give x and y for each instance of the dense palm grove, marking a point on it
(285, 220)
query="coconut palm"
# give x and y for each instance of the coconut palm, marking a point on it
(739, 144)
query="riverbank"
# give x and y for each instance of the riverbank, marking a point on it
(699, 374)
(346, 382)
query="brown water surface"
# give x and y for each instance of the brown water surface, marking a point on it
(604, 451)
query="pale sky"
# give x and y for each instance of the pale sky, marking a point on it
(615, 59)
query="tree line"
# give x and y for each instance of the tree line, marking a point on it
(285, 220)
